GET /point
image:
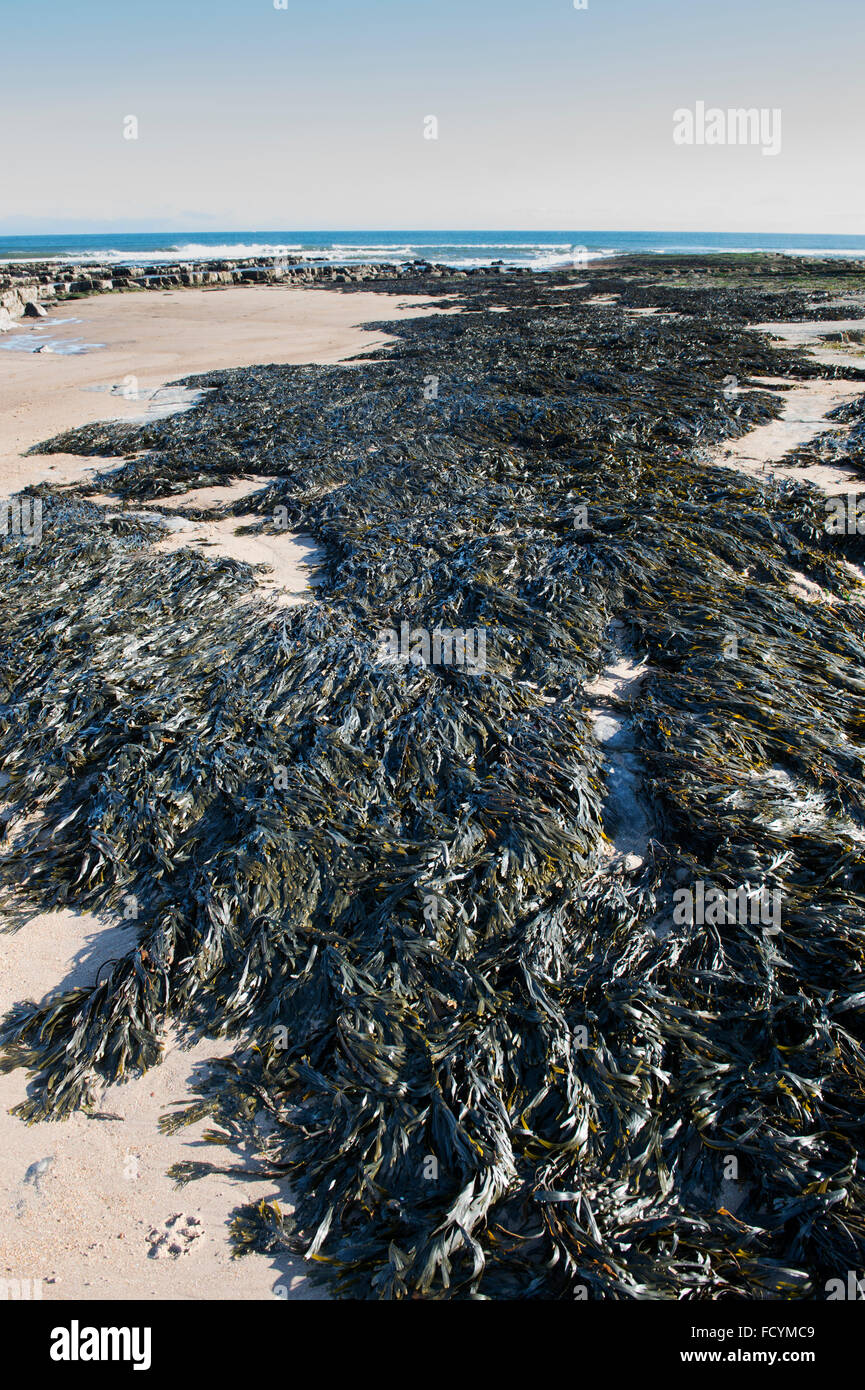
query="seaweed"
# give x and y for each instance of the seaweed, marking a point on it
(492, 1061)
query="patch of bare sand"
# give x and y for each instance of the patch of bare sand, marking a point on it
(85, 1205)
(627, 824)
(290, 557)
(218, 496)
(800, 586)
(805, 408)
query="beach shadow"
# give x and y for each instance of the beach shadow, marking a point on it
(102, 946)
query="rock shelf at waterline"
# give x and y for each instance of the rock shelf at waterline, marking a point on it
(25, 289)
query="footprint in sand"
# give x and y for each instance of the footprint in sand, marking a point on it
(175, 1237)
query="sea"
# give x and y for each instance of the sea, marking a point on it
(537, 250)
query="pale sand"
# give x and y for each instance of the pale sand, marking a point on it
(84, 1221)
(805, 410)
(291, 558)
(625, 810)
(207, 498)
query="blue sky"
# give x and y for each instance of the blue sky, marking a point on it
(312, 117)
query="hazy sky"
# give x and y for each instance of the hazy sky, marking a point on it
(311, 117)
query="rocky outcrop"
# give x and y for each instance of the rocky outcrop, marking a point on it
(16, 295)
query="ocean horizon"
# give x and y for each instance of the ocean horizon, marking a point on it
(462, 249)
